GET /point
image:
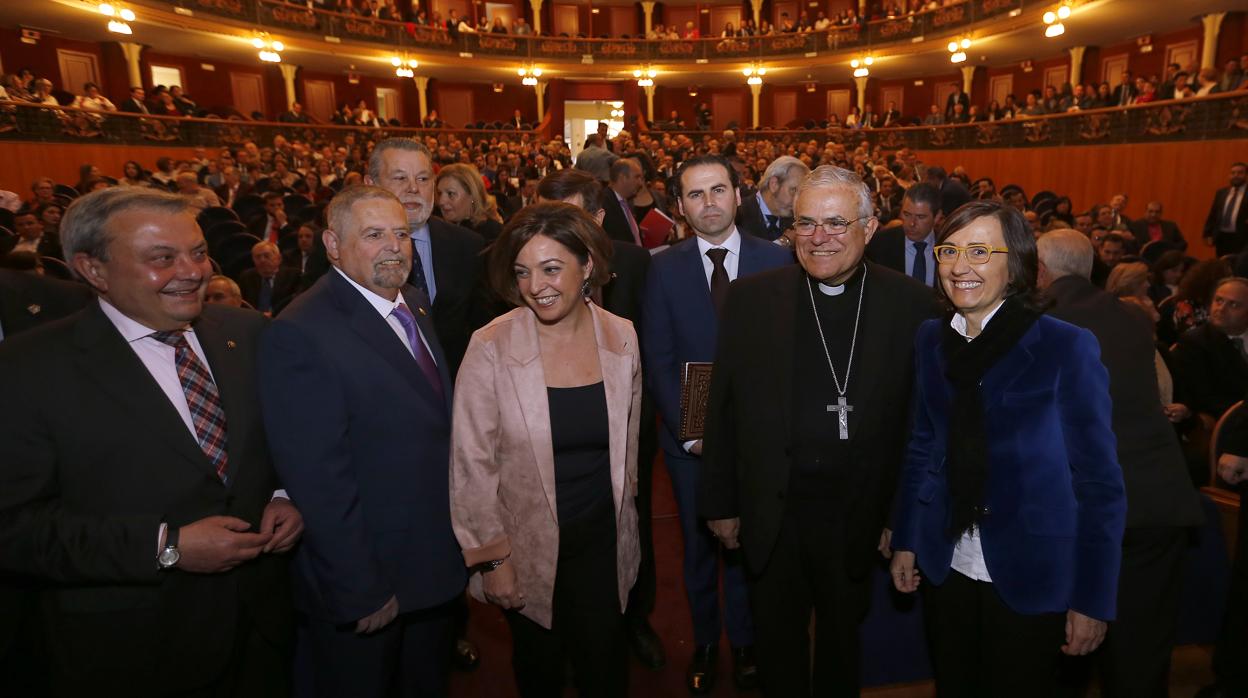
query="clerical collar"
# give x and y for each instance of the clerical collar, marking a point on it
(827, 290)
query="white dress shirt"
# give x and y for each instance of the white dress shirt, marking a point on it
(385, 308)
(968, 554)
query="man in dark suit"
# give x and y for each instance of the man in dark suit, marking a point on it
(517, 121)
(446, 258)
(626, 179)
(231, 188)
(954, 98)
(804, 437)
(1161, 502)
(1226, 226)
(356, 398)
(891, 116)
(907, 248)
(146, 505)
(623, 295)
(887, 199)
(1124, 93)
(1153, 228)
(268, 286)
(295, 115)
(684, 294)
(29, 300)
(300, 257)
(769, 212)
(1210, 364)
(269, 226)
(30, 237)
(136, 103)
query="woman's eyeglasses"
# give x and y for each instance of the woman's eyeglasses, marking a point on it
(975, 254)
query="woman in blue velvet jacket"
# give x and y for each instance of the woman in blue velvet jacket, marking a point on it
(1011, 500)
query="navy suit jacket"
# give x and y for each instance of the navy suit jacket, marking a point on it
(1056, 506)
(679, 320)
(361, 441)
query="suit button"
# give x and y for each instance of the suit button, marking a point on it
(985, 511)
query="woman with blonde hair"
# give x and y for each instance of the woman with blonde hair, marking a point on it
(1129, 279)
(462, 199)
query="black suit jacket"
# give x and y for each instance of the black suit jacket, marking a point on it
(1209, 373)
(750, 219)
(133, 106)
(458, 267)
(1170, 234)
(223, 193)
(49, 246)
(614, 221)
(891, 118)
(888, 248)
(1214, 218)
(1159, 490)
(29, 300)
(746, 454)
(285, 286)
(95, 458)
(624, 293)
(959, 98)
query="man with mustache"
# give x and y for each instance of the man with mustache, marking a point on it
(806, 425)
(136, 488)
(356, 398)
(684, 297)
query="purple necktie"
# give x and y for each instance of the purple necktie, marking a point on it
(423, 358)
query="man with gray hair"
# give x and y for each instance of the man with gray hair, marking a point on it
(769, 212)
(356, 398)
(135, 479)
(1161, 501)
(802, 450)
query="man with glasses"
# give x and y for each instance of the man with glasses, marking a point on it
(685, 294)
(806, 426)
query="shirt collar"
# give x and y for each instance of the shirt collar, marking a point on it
(732, 244)
(131, 330)
(762, 206)
(421, 233)
(930, 240)
(381, 305)
(958, 323)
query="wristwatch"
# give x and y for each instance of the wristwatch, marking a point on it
(489, 565)
(169, 555)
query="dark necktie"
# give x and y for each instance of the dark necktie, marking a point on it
(265, 302)
(719, 278)
(419, 351)
(417, 277)
(1228, 211)
(919, 271)
(773, 227)
(201, 397)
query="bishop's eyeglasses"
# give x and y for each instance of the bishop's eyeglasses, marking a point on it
(831, 226)
(975, 254)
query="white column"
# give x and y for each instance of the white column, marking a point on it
(288, 76)
(540, 88)
(649, 102)
(647, 7)
(1209, 42)
(132, 52)
(755, 91)
(968, 78)
(537, 15)
(1076, 64)
(862, 93)
(422, 91)
(757, 7)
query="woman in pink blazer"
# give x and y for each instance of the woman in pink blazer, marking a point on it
(544, 456)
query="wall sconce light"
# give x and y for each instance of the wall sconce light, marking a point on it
(754, 73)
(121, 17)
(404, 66)
(529, 75)
(957, 50)
(270, 49)
(862, 65)
(645, 76)
(1053, 21)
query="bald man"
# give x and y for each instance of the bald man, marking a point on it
(268, 286)
(1161, 501)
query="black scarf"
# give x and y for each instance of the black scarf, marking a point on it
(967, 363)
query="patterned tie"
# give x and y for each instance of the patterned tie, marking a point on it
(417, 277)
(202, 399)
(773, 227)
(423, 358)
(719, 277)
(919, 271)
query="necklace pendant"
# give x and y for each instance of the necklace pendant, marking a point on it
(842, 410)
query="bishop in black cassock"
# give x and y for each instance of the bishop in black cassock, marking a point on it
(803, 493)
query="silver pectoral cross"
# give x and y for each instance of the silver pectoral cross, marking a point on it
(842, 409)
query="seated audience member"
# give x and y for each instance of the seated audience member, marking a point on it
(1164, 275)
(1112, 249)
(199, 197)
(299, 257)
(1209, 361)
(136, 103)
(294, 115)
(268, 226)
(1152, 227)
(50, 217)
(30, 236)
(92, 100)
(133, 175)
(222, 290)
(1189, 306)
(268, 286)
(43, 191)
(42, 93)
(231, 187)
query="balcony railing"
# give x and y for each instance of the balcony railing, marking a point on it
(276, 15)
(1220, 116)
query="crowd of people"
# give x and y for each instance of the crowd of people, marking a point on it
(493, 318)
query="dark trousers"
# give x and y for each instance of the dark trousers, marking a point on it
(702, 564)
(1230, 655)
(1227, 243)
(1135, 659)
(981, 648)
(409, 657)
(587, 628)
(806, 572)
(641, 598)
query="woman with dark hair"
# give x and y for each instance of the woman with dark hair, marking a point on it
(132, 175)
(1011, 499)
(544, 456)
(1165, 274)
(1062, 211)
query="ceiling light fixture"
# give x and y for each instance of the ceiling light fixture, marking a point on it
(645, 76)
(862, 65)
(529, 75)
(121, 17)
(270, 49)
(1053, 21)
(404, 66)
(957, 50)
(754, 73)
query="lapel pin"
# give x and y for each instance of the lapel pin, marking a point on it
(420, 310)
(229, 344)
(34, 308)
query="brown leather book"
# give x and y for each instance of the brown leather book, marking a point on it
(695, 388)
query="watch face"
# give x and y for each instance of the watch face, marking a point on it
(169, 557)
